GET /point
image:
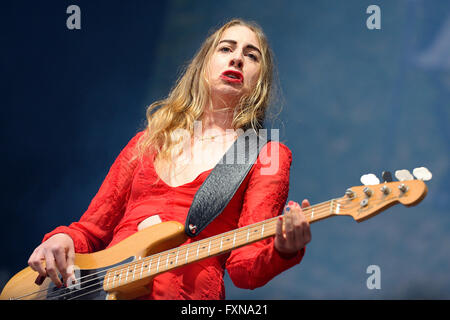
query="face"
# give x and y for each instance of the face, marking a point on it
(235, 65)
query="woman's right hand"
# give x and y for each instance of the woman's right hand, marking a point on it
(55, 254)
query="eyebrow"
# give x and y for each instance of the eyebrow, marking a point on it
(235, 43)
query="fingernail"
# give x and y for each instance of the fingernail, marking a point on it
(39, 280)
(71, 282)
(290, 203)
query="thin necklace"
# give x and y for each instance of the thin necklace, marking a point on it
(213, 137)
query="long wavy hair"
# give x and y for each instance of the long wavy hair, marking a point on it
(186, 101)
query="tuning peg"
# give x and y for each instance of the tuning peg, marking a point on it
(422, 173)
(403, 175)
(369, 179)
(386, 176)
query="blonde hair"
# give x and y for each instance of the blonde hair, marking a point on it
(185, 102)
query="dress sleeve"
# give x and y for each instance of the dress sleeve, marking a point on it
(252, 266)
(95, 228)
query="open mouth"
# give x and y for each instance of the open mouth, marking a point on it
(232, 76)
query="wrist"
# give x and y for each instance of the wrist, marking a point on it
(287, 255)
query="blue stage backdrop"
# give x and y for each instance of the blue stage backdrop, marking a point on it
(354, 100)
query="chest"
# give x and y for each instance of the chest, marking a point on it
(191, 162)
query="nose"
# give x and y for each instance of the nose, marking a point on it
(237, 61)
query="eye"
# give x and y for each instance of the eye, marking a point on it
(225, 49)
(253, 57)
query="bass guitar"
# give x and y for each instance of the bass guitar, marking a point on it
(125, 271)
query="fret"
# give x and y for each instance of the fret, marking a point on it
(142, 269)
(126, 274)
(262, 230)
(187, 254)
(120, 276)
(234, 239)
(157, 265)
(248, 234)
(167, 261)
(221, 243)
(114, 278)
(134, 271)
(198, 248)
(176, 258)
(331, 206)
(150, 266)
(312, 213)
(209, 247)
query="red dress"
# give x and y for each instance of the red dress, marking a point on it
(132, 192)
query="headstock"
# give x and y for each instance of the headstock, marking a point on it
(364, 202)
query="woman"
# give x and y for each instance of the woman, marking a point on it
(226, 87)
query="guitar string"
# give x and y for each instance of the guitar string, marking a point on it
(56, 297)
(83, 294)
(270, 228)
(190, 245)
(238, 238)
(141, 262)
(242, 229)
(261, 222)
(204, 241)
(207, 240)
(98, 289)
(318, 214)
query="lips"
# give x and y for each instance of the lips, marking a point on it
(232, 76)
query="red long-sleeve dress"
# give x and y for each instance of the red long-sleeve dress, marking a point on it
(132, 192)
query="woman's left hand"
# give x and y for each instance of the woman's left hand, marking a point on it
(296, 232)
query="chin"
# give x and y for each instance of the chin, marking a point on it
(227, 90)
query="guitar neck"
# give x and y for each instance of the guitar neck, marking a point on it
(174, 258)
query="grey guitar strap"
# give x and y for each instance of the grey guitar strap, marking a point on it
(224, 180)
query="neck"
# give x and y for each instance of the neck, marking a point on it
(215, 121)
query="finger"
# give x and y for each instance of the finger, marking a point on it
(51, 268)
(298, 220)
(36, 262)
(61, 262)
(305, 203)
(307, 233)
(305, 230)
(289, 228)
(302, 231)
(293, 204)
(279, 230)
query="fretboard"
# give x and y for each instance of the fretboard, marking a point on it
(206, 248)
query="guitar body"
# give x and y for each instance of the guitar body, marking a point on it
(148, 241)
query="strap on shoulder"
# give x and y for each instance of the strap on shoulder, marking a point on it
(224, 180)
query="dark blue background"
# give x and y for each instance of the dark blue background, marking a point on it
(355, 101)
